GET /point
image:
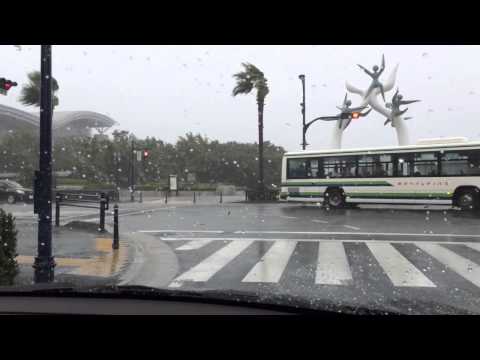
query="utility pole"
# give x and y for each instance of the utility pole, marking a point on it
(132, 172)
(44, 262)
(304, 130)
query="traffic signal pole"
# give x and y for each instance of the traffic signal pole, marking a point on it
(44, 263)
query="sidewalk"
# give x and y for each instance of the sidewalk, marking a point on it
(83, 255)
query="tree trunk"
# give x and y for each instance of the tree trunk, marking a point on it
(260, 145)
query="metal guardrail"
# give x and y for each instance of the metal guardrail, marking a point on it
(84, 200)
(113, 195)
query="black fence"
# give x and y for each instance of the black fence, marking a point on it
(113, 195)
(98, 201)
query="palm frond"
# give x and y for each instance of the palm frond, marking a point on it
(249, 79)
(30, 92)
(244, 87)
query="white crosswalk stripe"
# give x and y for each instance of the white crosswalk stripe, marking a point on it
(332, 265)
(194, 244)
(270, 268)
(474, 246)
(464, 267)
(210, 266)
(399, 270)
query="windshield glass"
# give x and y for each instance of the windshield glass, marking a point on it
(324, 177)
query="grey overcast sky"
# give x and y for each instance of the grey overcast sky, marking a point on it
(166, 91)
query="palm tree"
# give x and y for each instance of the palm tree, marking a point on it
(247, 80)
(30, 93)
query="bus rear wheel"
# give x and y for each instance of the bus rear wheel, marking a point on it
(334, 198)
(467, 200)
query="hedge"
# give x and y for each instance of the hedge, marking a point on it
(8, 249)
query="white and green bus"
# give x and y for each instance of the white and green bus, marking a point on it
(436, 171)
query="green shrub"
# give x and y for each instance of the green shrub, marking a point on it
(8, 249)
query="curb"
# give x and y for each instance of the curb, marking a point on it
(154, 264)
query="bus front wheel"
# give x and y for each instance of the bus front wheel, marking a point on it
(467, 199)
(334, 198)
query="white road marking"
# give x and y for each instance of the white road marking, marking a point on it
(288, 217)
(353, 233)
(332, 265)
(351, 227)
(211, 265)
(318, 240)
(194, 244)
(320, 221)
(464, 267)
(474, 246)
(399, 270)
(183, 231)
(270, 268)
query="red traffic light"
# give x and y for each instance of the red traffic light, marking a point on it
(145, 154)
(6, 84)
(355, 115)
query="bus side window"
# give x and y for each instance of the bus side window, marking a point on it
(314, 168)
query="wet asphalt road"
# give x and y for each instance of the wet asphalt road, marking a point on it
(413, 259)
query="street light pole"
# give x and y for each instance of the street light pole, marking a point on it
(132, 169)
(304, 130)
(44, 262)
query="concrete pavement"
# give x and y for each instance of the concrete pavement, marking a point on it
(82, 254)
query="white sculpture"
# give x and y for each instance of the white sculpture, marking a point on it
(370, 97)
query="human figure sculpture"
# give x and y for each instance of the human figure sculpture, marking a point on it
(394, 106)
(375, 78)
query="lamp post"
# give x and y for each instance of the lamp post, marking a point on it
(132, 172)
(304, 129)
(44, 263)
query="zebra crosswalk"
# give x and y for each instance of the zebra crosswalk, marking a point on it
(333, 263)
